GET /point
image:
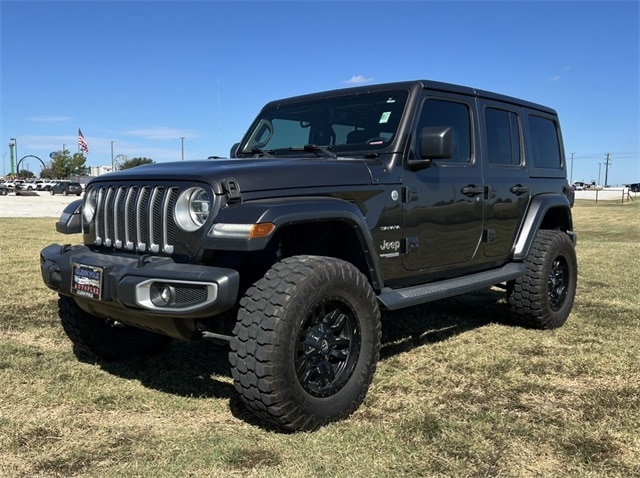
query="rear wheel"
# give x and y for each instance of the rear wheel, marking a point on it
(543, 297)
(306, 343)
(107, 339)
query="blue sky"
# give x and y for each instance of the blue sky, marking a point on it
(144, 74)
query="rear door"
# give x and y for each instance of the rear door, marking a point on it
(506, 176)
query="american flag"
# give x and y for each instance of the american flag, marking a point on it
(82, 143)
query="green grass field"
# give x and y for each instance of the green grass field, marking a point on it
(457, 392)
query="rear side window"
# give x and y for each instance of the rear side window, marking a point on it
(503, 137)
(545, 143)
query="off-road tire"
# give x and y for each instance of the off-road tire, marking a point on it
(543, 297)
(106, 339)
(306, 342)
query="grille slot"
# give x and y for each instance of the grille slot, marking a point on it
(136, 218)
(190, 295)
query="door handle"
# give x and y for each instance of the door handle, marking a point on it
(472, 190)
(519, 189)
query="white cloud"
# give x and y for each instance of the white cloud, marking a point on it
(559, 77)
(357, 80)
(49, 119)
(161, 132)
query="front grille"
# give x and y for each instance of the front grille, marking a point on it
(135, 218)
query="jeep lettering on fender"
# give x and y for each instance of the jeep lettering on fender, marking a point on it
(334, 206)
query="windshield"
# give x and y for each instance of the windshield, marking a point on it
(364, 121)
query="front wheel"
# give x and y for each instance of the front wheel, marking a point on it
(543, 297)
(105, 338)
(306, 342)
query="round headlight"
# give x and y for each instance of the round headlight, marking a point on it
(192, 209)
(89, 205)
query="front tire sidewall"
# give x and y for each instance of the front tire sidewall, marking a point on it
(265, 347)
(314, 292)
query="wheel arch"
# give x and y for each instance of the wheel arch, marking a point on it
(316, 226)
(546, 211)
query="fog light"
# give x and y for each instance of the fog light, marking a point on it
(161, 294)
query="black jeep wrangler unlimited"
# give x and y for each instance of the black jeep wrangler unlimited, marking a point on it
(334, 206)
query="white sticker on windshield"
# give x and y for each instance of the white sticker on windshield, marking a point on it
(384, 118)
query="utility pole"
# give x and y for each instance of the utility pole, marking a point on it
(606, 170)
(571, 175)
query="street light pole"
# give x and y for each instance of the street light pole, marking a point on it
(112, 165)
(14, 148)
(182, 146)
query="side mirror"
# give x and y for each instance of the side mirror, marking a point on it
(234, 150)
(436, 142)
(71, 220)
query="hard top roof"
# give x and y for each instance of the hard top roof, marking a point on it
(417, 85)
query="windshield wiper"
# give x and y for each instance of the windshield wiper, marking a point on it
(319, 151)
(263, 152)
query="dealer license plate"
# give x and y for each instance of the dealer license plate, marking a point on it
(87, 281)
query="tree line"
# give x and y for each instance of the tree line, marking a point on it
(64, 164)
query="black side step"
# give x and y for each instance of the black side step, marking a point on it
(394, 299)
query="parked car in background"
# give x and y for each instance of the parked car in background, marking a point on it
(47, 184)
(13, 184)
(33, 184)
(634, 187)
(65, 188)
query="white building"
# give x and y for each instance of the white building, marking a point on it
(100, 170)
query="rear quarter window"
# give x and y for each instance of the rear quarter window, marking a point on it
(545, 147)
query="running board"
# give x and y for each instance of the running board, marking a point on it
(394, 299)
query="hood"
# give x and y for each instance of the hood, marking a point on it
(254, 174)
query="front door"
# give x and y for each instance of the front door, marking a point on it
(444, 204)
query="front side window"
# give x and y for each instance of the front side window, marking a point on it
(437, 112)
(503, 137)
(367, 121)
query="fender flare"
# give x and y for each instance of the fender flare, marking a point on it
(289, 211)
(536, 213)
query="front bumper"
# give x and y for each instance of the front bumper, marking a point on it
(129, 284)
